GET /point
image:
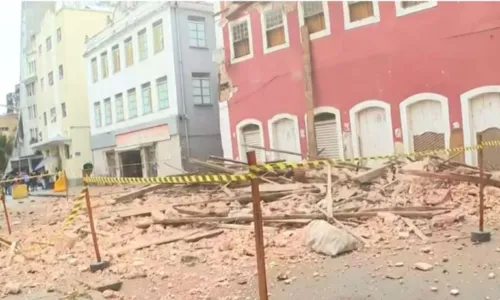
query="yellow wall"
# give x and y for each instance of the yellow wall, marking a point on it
(10, 122)
(72, 89)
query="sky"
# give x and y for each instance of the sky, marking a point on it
(10, 31)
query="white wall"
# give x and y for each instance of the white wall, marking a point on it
(224, 122)
(148, 70)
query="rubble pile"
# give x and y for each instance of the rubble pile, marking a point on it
(202, 235)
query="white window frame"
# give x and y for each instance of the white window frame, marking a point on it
(319, 34)
(250, 39)
(266, 49)
(371, 20)
(196, 22)
(400, 11)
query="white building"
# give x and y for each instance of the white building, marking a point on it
(143, 122)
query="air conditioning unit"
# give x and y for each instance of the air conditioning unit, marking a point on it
(218, 56)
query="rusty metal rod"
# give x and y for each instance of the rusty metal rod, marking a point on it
(481, 184)
(91, 221)
(6, 213)
(259, 231)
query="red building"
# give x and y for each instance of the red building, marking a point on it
(387, 77)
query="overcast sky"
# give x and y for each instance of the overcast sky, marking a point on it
(10, 31)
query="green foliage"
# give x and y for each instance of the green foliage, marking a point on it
(6, 147)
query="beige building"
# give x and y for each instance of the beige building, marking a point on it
(8, 124)
(59, 87)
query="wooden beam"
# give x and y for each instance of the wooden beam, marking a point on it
(312, 148)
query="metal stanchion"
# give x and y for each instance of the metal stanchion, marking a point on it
(99, 264)
(6, 213)
(259, 232)
(67, 186)
(481, 235)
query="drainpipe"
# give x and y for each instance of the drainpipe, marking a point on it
(181, 79)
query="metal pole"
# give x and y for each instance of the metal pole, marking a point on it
(6, 213)
(481, 185)
(91, 221)
(259, 232)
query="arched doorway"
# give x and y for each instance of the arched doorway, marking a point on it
(284, 135)
(371, 126)
(480, 114)
(425, 122)
(249, 133)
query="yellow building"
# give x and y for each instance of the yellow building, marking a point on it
(8, 124)
(61, 109)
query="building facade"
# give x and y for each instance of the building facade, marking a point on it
(23, 156)
(152, 89)
(386, 76)
(55, 113)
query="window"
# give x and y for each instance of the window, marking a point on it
(360, 13)
(48, 44)
(120, 114)
(274, 30)
(45, 118)
(30, 89)
(53, 115)
(201, 88)
(97, 114)
(162, 88)
(63, 110)
(142, 40)
(93, 63)
(116, 58)
(59, 35)
(61, 72)
(51, 78)
(30, 113)
(34, 110)
(104, 64)
(129, 52)
(32, 67)
(132, 103)
(158, 36)
(108, 119)
(314, 15)
(40, 49)
(241, 44)
(67, 151)
(41, 83)
(147, 105)
(409, 7)
(197, 32)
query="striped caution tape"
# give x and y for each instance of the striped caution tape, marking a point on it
(281, 166)
(79, 203)
(178, 179)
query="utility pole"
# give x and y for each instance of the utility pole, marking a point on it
(312, 149)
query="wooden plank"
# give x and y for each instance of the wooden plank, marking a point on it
(203, 235)
(138, 193)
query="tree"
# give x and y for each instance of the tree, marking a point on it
(6, 147)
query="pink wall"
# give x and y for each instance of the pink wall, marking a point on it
(448, 50)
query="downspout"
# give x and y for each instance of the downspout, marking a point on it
(181, 79)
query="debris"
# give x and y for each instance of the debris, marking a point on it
(327, 239)
(399, 264)
(434, 289)
(491, 275)
(454, 292)
(423, 266)
(12, 288)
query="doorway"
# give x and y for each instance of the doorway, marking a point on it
(131, 163)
